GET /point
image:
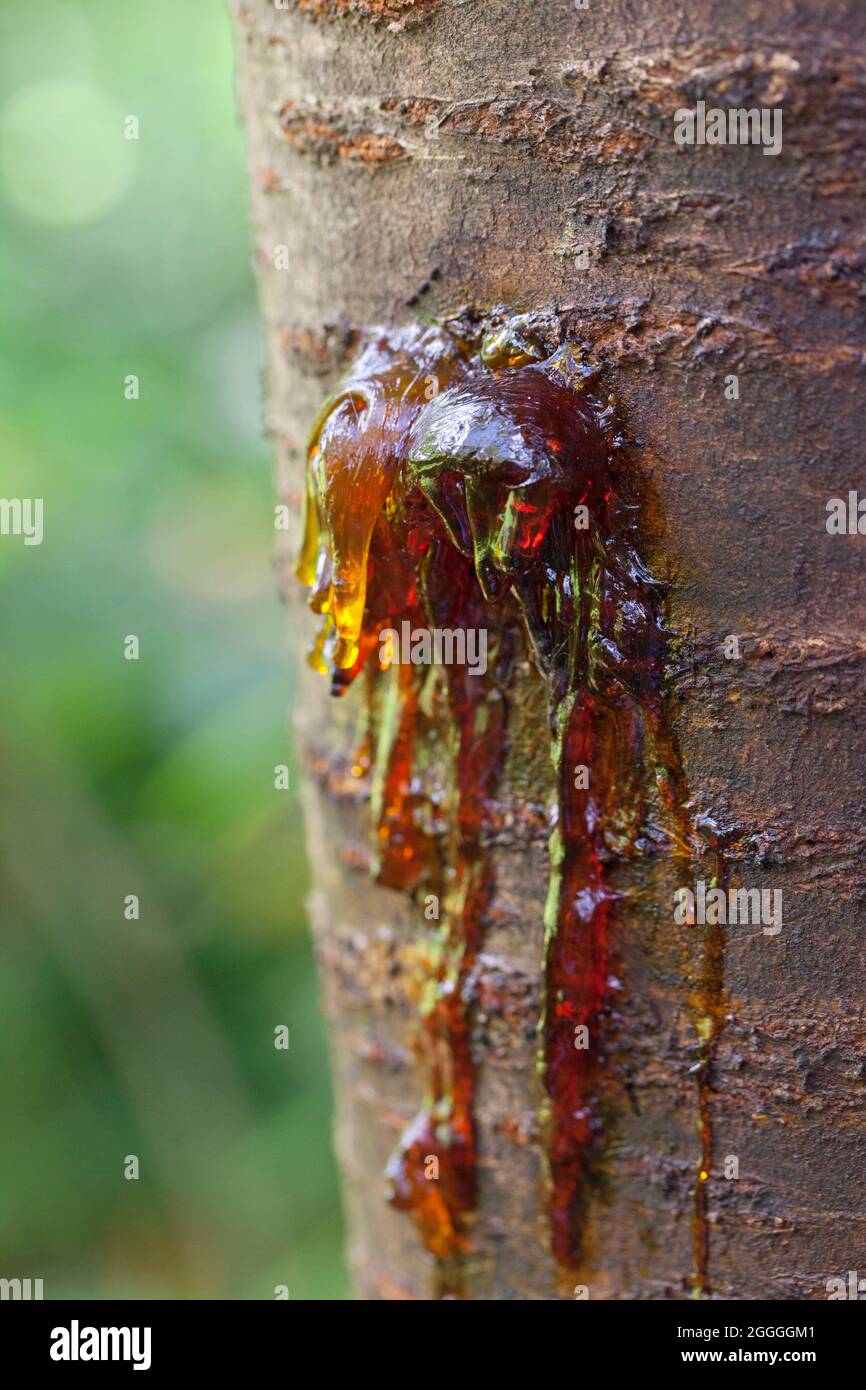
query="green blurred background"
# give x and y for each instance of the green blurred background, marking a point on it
(152, 1037)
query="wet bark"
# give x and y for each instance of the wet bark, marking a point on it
(414, 158)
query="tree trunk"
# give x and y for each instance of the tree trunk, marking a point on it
(413, 158)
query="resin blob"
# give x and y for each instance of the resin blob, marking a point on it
(457, 483)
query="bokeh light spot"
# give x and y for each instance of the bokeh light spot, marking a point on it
(63, 157)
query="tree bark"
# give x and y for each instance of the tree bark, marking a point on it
(418, 156)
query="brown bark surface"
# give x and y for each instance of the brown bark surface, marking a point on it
(418, 157)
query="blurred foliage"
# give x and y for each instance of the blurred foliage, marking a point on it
(153, 777)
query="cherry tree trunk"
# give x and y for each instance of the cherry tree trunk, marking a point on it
(417, 159)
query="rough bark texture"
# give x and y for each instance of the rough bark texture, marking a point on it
(416, 157)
